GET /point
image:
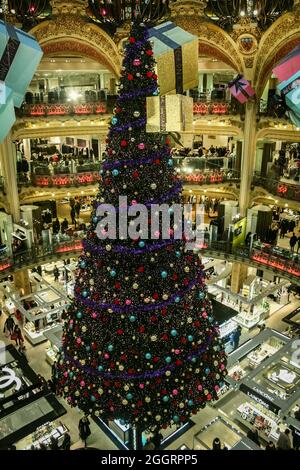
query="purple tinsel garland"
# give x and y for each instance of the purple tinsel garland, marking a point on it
(137, 123)
(125, 250)
(149, 159)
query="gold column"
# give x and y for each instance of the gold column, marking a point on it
(22, 282)
(248, 158)
(9, 166)
(238, 275)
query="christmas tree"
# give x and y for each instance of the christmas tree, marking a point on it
(140, 342)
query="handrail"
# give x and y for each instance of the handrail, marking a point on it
(285, 265)
(278, 188)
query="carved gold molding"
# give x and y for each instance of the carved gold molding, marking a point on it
(76, 7)
(71, 33)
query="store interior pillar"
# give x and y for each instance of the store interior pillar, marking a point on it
(8, 163)
(238, 276)
(22, 282)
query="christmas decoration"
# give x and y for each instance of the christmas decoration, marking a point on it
(176, 54)
(140, 342)
(241, 89)
(289, 65)
(290, 89)
(173, 113)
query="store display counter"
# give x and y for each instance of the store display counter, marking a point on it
(34, 336)
(251, 319)
(266, 422)
(43, 435)
(54, 336)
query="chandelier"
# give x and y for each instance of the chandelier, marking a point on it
(26, 12)
(112, 14)
(262, 12)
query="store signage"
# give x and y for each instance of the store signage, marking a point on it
(260, 397)
(8, 379)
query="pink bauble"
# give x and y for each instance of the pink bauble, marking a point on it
(177, 351)
(137, 62)
(171, 231)
(133, 202)
(141, 146)
(127, 301)
(175, 392)
(71, 322)
(217, 388)
(200, 388)
(142, 386)
(106, 356)
(69, 398)
(82, 383)
(94, 315)
(157, 233)
(204, 315)
(78, 340)
(66, 374)
(222, 367)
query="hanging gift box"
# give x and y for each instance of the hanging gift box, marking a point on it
(7, 114)
(170, 113)
(241, 89)
(176, 54)
(291, 90)
(20, 55)
(289, 65)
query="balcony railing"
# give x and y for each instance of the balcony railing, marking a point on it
(63, 109)
(282, 262)
(276, 187)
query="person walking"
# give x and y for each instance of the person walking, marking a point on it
(66, 443)
(56, 273)
(84, 429)
(253, 435)
(72, 214)
(156, 439)
(216, 445)
(9, 325)
(17, 336)
(298, 245)
(284, 441)
(64, 225)
(77, 208)
(293, 242)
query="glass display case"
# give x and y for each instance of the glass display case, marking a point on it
(228, 434)
(266, 422)
(42, 435)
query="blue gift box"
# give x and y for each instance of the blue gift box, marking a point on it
(7, 114)
(20, 55)
(291, 90)
(176, 54)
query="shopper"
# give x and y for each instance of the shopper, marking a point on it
(84, 429)
(77, 209)
(253, 435)
(270, 446)
(298, 246)
(56, 273)
(9, 325)
(64, 225)
(293, 242)
(72, 214)
(66, 443)
(297, 413)
(284, 441)
(56, 226)
(296, 439)
(156, 439)
(53, 443)
(17, 336)
(216, 445)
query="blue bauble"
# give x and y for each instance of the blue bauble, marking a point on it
(170, 162)
(207, 370)
(168, 359)
(155, 93)
(88, 348)
(114, 120)
(110, 347)
(71, 374)
(165, 398)
(164, 274)
(177, 299)
(115, 172)
(112, 273)
(190, 337)
(201, 295)
(129, 396)
(177, 253)
(141, 244)
(82, 264)
(194, 359)
(93, 398)
(176, 419)
(78, 315)
(95, 219)
(101, 172)
(148, 355)
(190, 402)
(85, 293)
(100, 368)
(174, 333)
(132, 318)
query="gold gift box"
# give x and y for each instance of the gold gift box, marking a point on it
(176, 54)
(170, 113)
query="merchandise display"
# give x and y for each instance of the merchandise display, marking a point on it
(266, 422)
(42, 436)
(54, 336)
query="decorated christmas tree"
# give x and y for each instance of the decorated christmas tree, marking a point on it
(140, 342)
